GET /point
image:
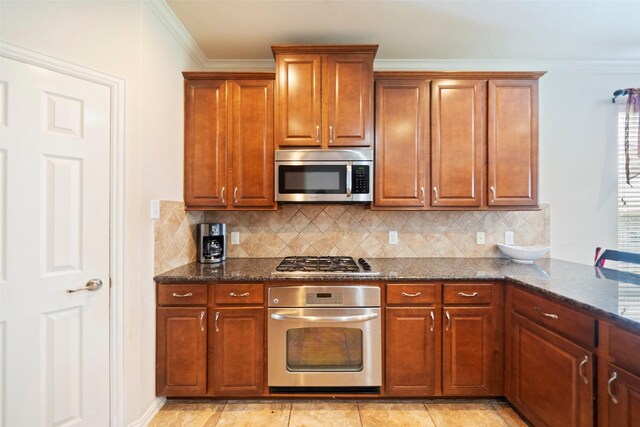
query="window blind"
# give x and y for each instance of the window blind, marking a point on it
(629, 210)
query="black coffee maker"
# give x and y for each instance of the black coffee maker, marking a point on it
(212, 248)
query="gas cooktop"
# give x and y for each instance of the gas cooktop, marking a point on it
(323, 266)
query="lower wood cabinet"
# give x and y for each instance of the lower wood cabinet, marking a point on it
(237, 343)
(622, 397)
(550, 377)
(467, 351)
(410, 351)
(181, 351)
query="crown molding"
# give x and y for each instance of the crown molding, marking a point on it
(179, 32)
(553, 66)
(175, 27)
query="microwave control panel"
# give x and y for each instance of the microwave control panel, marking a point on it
(360, 179)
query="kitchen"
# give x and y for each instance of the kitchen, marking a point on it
(133, 42)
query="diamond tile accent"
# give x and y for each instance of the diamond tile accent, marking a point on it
(346, 230)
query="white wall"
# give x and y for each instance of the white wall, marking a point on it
(124, 39)
(578, 160)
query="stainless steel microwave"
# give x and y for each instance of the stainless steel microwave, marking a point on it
(312, 175)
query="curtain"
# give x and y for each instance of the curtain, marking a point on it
(633, 106)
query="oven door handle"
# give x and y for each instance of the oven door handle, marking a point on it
(360, 318)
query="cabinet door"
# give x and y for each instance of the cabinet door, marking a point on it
(467, 351)
(513, 143)
(411, 352)
(252, 143)
(402, 143)
(624, 387)
(205, 143)
(457, 142)
(349, 100)
(551, 377)
(238, 351)
(181, 351)
(299, 100)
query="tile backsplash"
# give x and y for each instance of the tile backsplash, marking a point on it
(346, 230)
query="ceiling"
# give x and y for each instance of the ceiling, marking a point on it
(418, 30)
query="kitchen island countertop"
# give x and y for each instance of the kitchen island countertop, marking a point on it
(606, 292)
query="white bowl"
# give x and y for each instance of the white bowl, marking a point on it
(523, 254)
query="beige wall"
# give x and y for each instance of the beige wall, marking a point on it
(351, 230)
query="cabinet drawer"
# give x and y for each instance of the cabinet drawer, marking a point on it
(182, 294)
(411, 294)
(624, 348)
(238, 293)
(473, 293)
(567, 321)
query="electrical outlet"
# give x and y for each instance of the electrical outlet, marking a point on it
(480, 238)
(508, 237)
(154, 212)
(393, 237)
(235, 237)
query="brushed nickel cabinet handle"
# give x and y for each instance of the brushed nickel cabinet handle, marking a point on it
(222, 195)
(581, 368)
(614, 376)
(446, 313)
(417, 294)
(187, 295)
(201, 319)
(422, 195)
(433, 321)
(549, 315)
(233, 294)
(462, 294)
(216, 321)
(493, 192)
(435, 193)
(318, 134)
(330, 134)
(235, 195)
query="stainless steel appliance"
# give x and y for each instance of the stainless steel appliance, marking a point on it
(212, 247)
(313, 175)
(324, 338)
(323, 266)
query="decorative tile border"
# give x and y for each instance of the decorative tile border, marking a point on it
(351, 230)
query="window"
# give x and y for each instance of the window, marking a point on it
(629, 209)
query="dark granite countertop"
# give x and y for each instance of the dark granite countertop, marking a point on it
(607, 292)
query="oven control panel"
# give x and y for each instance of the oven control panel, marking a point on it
(324, 298)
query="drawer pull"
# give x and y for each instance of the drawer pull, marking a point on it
(614, 376)
(549, 315)
(581, 369)
(201, 319)
(433, 321)
(233, 294)
(182, 295)
(417, 294)
(446, 313)
(462, 294)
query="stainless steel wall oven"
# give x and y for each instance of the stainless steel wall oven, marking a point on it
(324, 338)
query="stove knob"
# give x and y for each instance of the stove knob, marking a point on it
(276, 301)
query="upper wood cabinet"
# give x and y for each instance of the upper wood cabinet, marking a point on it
(324, 95)
(468, 140)
(402, 144)
(512, 151)
(228, 141)
(457, 142)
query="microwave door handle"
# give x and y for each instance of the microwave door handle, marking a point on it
(349, 183)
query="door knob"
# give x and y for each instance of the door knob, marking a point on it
(92, 285)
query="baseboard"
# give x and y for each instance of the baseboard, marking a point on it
(151, 412)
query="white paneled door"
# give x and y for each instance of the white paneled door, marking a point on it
(54, 237)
